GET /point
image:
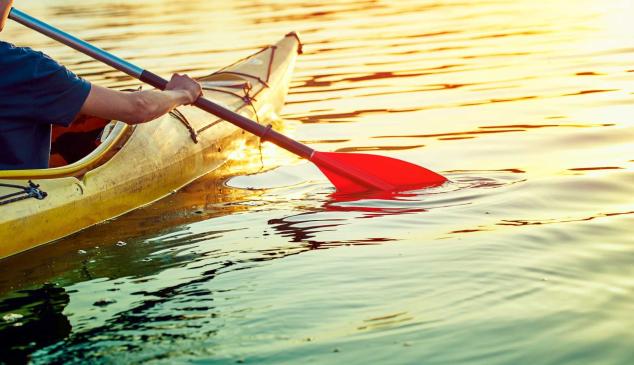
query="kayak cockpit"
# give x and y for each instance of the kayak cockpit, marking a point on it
(70, 144)
(89, 142)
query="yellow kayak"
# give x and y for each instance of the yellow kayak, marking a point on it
(133, 166)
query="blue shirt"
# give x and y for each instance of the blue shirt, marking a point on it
(35, 92)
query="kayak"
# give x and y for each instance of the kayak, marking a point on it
(114, 168)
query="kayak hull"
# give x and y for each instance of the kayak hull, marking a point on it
(154, 159)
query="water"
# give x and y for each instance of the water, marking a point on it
(525, 257)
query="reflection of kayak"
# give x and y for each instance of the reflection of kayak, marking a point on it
(132, 167)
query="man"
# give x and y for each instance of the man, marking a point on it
(36, 91)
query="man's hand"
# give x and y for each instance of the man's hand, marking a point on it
(183, 83)
(5, 8)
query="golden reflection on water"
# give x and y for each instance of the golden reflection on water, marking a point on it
(525, 257)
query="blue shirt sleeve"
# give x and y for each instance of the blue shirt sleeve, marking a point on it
(57, 94)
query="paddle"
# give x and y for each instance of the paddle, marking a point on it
(348, 172)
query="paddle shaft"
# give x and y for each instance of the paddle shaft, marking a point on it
(158, 82)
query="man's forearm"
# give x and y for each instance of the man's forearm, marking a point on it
(151, 104)
(132, 108)
(5, 8)
(140, 106)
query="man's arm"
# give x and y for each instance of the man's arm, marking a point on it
(140, 106)
(5, 8)
(135, 107)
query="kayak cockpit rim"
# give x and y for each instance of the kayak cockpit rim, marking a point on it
(80, 167)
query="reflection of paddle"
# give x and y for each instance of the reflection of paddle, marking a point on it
(375, 203)
(348, 172)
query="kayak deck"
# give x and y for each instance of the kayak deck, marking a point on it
(139, 165)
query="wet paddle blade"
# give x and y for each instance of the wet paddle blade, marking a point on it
(357, 172)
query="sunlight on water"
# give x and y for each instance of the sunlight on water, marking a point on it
(523, 257)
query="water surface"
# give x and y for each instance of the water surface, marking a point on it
(525, 257)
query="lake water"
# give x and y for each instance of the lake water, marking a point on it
(525, 257)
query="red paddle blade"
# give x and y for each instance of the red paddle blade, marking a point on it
(357, 172)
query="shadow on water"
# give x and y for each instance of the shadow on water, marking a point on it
(30, 320)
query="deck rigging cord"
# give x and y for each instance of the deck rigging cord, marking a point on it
(248, 98)
(181, 117)
(30, 191)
